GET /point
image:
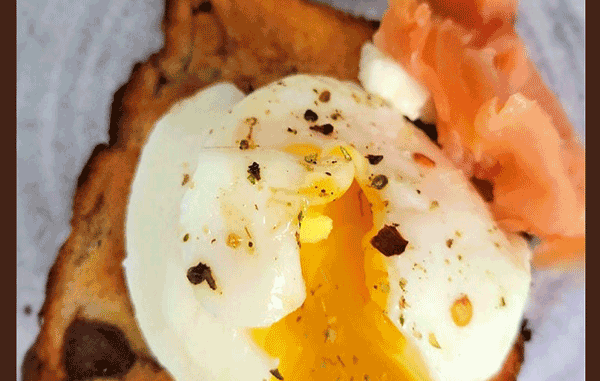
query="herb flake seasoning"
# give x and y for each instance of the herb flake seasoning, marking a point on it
(374, 159)
(254, 173)
(346, 154)
(244, 144)
(311, 159)
(201, 273)
(388, 241)
(325, 129)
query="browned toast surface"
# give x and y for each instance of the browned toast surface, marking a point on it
(88, 328)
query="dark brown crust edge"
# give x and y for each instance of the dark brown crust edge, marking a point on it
(249, 43)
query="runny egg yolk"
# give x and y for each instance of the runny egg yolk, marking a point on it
(339, 333)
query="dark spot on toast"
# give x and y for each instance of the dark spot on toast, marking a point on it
(204, 7)
(116, 114)
(87, 169)
(98, 204)
(32, 366)
(245, 84)
(95, 349)
(186, 63)
(162, 81)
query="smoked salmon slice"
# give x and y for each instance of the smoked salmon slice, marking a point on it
(496, 118)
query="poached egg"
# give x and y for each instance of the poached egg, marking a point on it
(308, 231)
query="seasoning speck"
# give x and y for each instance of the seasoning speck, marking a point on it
(388, 241)
(423, 160)
(374, 159)
(291, 130)
(310, 115)
(379, 182)
(330, 335)
(433, 341)
(325, 96)
(276, 374)
(325, 129)
(346, 154)
(186, 237)
(254, 171)
(233, 240)
(403, 283)
(416, 333)
(462, 311)
(201, 273)
(449, 243)
(244, 144)
(186, 178)
(403, 303)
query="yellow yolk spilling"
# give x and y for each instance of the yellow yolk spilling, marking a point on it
(339, 333)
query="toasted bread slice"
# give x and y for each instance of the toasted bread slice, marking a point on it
(88, 327)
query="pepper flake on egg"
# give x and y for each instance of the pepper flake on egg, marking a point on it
(310, 116)
(433, 341)
(325, 96)
(374, 159)
(325, 129)
(254, 173)
(201, 273)
(233, 240)
(462, 311)
(275, 372)
(423, 160)
(389, 241)
(379, 182)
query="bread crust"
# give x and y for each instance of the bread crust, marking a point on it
(250, 43)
